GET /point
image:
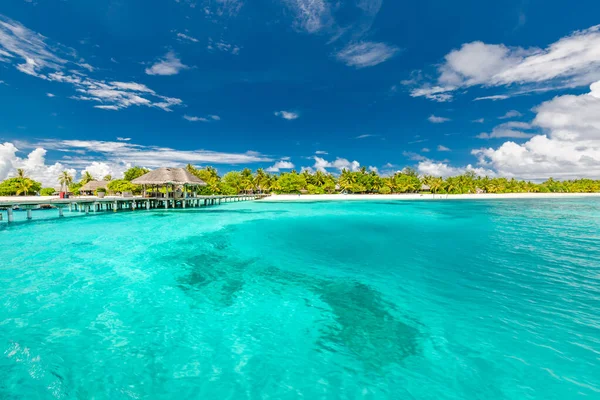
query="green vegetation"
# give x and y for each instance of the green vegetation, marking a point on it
(65, 179)
(123, 185)
(361, 181)
(134, 172)
(21, 185)
(47, 191)
(87, 177)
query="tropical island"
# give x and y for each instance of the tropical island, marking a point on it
(361, 181)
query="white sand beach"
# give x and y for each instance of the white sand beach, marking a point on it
(350, 197)
(28, 198)
(418, 196)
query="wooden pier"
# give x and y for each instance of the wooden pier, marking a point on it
(114, 204)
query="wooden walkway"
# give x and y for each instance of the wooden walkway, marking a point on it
(114, 204)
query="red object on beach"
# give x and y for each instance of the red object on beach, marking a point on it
(62, 195)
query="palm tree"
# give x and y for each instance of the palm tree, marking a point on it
(347, 180)
(107, 178)
(262, 181)
(87, 177)
(21, 173)
(375, 182)
(65, 179)
(450, 185)
(24, 186)
(435, 183)
(319, 178)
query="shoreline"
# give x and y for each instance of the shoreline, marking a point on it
(344, 197)
(418, 196)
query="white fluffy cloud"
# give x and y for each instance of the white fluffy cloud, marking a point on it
(279, 165)
(100, 169)
(570, 62)
(33, 54)
(569, 147)
(512, 129)
(434, 168)
(340, 164)
(34, 165)
(366, 54)
(116, 157)
(170, 64)
(8, 156)
(289, 115)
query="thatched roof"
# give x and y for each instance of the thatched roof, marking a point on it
(425, 187)
(93, 185)
(169, 176)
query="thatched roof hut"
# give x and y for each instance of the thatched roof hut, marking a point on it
(169, 176)
(92, 186)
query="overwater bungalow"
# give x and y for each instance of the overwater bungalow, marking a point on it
(178, 180)
(89, 189)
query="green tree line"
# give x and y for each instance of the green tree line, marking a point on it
(363, 181)
(19, 185)
(293, 182)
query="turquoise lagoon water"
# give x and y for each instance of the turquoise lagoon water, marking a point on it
(375, 300)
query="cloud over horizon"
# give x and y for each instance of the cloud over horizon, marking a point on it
(113, 157)
(567, 148)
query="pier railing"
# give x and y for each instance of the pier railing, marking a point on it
(95, 204)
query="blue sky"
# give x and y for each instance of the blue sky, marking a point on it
(500, 88)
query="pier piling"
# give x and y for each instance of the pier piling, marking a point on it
(86, 205)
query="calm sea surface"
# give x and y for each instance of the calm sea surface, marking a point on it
(376, 300)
